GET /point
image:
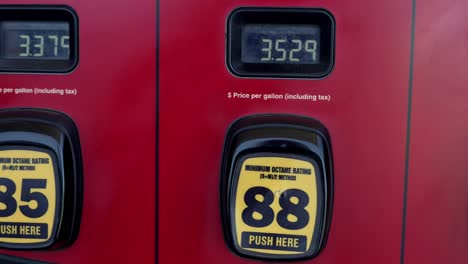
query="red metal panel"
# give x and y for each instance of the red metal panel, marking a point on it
(366, 118)
(437, 222)
(115, 114)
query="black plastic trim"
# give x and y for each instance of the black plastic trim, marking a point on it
(4, 259)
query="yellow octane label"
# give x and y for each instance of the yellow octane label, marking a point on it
(276, 204)
(27, 196)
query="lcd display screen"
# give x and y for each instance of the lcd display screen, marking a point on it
(272, 43)
(39, 39)
(280, 42)
(35, 40)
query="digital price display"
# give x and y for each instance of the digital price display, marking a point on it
(35, 40)
(298, 44)
(280, 42)
(38, 39)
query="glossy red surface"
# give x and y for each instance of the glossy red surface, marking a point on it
(437, 222)
(366, 119)
(115, 113)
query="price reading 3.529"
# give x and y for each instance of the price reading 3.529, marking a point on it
(288, 50)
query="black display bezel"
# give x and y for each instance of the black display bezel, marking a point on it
(280, 16)
(42, 13)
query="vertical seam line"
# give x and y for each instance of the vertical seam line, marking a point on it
(408, 132)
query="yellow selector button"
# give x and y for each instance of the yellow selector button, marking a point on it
(276, 187)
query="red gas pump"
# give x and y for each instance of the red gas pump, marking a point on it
(233, 131)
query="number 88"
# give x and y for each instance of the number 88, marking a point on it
(263, 208)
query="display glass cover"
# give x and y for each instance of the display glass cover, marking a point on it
(280, 42)
(35, 40)
(40, 39)
(296, 44)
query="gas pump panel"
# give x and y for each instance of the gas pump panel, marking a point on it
(40, 179)
(276, 186)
